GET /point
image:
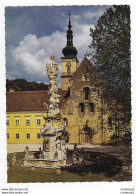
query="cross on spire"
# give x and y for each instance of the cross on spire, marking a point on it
(52, 58)
(69, 25)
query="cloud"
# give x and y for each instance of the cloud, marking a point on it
(82, 38)
(33, 34)
(92, 14)
(33, 53)
(29, 58)
(76, 17)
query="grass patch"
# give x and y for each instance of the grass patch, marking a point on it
(17, 174)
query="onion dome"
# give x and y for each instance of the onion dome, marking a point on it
(69, 50)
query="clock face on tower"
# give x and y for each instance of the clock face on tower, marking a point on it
(68, 63)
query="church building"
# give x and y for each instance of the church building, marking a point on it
(82, 104)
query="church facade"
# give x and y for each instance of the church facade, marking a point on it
(83, 107)
(88, 116)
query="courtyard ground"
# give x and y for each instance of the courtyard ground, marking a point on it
(17, 174)
(124, 154)
(115, 153)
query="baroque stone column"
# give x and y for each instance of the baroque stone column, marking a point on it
(54, 148)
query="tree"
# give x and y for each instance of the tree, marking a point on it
(110, 50)
(23, 85)
(111, 46)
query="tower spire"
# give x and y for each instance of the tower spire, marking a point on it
(69, 32)
(69, 50)
(69, 61)
(69, 26)
(69, 15)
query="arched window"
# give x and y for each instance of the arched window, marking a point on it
(87, 91)
(110, 121)
(91, 107)
(68, 70)
(82, 107)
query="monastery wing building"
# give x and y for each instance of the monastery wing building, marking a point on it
(83, 106)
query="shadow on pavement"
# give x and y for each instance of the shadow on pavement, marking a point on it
(93, 162)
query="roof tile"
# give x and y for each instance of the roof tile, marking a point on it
(31, 100)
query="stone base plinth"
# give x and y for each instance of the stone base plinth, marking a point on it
(42, 163)
(58, 171)
(44, 169)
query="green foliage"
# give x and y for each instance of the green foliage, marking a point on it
(110, 50)
(111, 46)
(23, 85)
(127, 138)
(121, 140)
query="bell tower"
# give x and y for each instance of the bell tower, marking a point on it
(69, 62)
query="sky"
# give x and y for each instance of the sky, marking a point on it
(33, 34)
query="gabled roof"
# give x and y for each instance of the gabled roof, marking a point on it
(31, 100)
(85, 66)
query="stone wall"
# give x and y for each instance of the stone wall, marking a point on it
(89, 125)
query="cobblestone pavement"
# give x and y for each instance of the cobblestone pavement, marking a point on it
(123, 153)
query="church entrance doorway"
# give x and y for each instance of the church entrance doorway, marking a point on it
(87, 138)
(87, 135)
